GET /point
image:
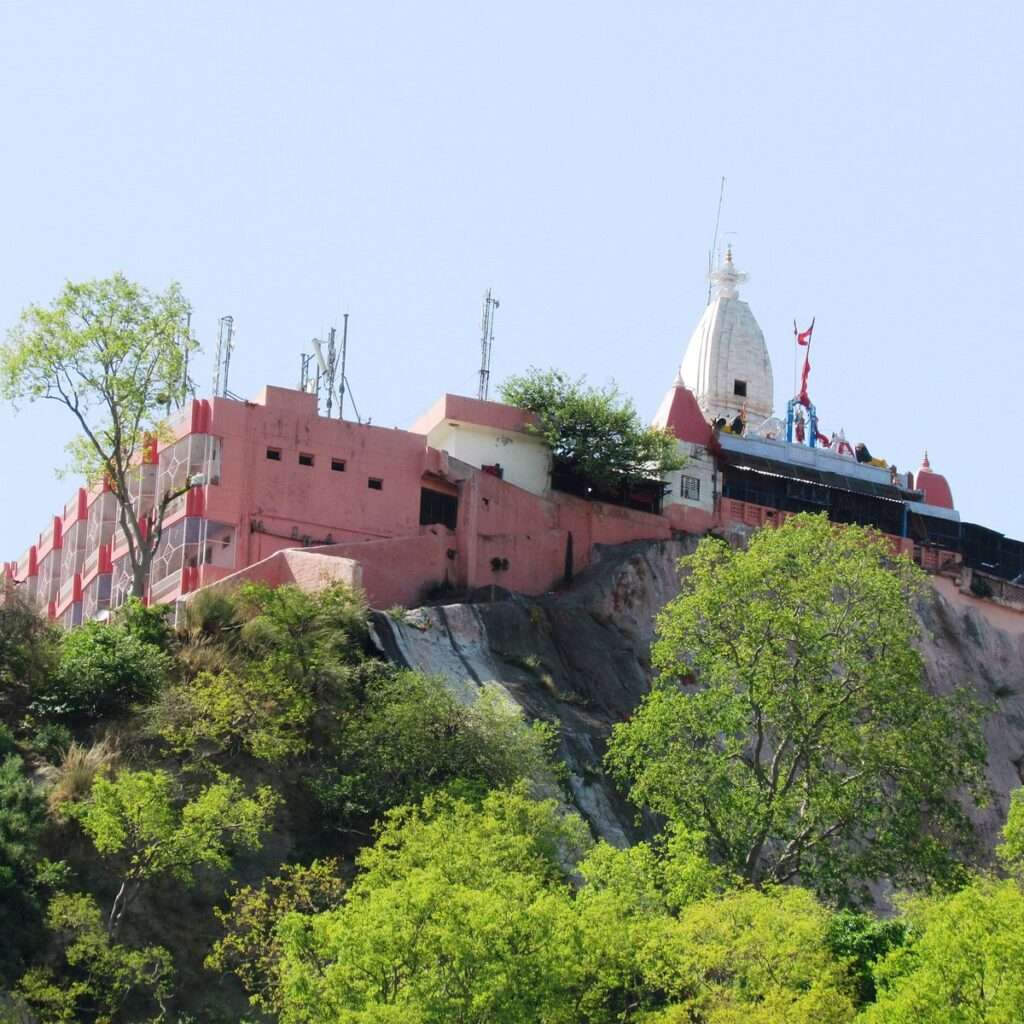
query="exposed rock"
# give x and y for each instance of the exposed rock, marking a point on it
(580, 658)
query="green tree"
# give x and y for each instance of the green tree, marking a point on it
(1011, 850)
(256, 710)
(593, 433)
(103, 669)
(456, 916)
(961, 963)
(114, 355)
(22, 816)
(28, 653)
(101, 975)
(748, 957)
(251, 948)
(790, 722)
(408, 736)
(140, 819)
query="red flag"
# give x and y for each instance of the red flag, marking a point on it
(804, 398)
(803, 337)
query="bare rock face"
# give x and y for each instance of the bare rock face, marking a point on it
(963, 646)
(580, 658)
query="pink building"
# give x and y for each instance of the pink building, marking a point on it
(408, 518)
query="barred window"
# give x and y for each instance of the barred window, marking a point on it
(690, 488)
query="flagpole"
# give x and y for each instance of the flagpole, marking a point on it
(796, 351)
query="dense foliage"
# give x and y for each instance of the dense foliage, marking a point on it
(253, 818)
(594, 433)
(790, 722)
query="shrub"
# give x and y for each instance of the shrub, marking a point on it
(28, 653)
(72, 780)
(146, 622)
(22, 817)
(102, 670)
(257, 710)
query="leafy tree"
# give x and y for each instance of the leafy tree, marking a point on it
(593, 433)
(28, 652)
(628, 895)
(748, 957)
(114, 355)
(1011, 850)
(22, 816)
(251, 948)
(101, 974)
(456, 916)
(409, 736)
(148, 623)
(308, 636)
(103, 669)
(256, 710)
(961, 963)
(139, 819)
(861, 940)
(808, 747)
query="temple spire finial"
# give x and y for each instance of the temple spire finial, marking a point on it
(727, 277)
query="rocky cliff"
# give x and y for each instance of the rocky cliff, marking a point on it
(580, 658)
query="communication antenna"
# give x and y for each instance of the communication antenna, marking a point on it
(309, 375)
(486, 342)
(328, 371)
(341, 384)
(185, 382)
(225, 345)
(714, 241)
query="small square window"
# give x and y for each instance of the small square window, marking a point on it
(305, 459)
(274, 454)
(375, 483)
(739, 387)
(338, 465)
(690, 488)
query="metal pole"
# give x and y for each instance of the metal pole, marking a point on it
(332, 359)
(344, 354)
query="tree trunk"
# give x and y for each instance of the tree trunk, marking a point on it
(140, 576)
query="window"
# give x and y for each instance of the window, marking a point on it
(739, 387)
(337, 465)
(274, 454)
(436, 507)
(305, 459)
(375, 483)
(690, 488)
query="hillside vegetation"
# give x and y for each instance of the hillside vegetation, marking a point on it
(254, 817)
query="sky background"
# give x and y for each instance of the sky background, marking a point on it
(289, 162)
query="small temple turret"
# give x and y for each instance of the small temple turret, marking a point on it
(726, 364)
(934, 485)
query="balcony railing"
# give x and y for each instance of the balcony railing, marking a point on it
(91, 561)
(170, 584)
(46, 536)
(67, 588)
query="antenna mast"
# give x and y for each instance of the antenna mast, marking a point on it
(714, 241)
(327, 370)
(344, 354)
(486, 343)
(222, 364)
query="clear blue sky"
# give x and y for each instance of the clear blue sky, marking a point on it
(287, 162)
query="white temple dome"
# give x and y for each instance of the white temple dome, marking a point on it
(726, 364)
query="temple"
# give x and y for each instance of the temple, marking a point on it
(469, 497)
